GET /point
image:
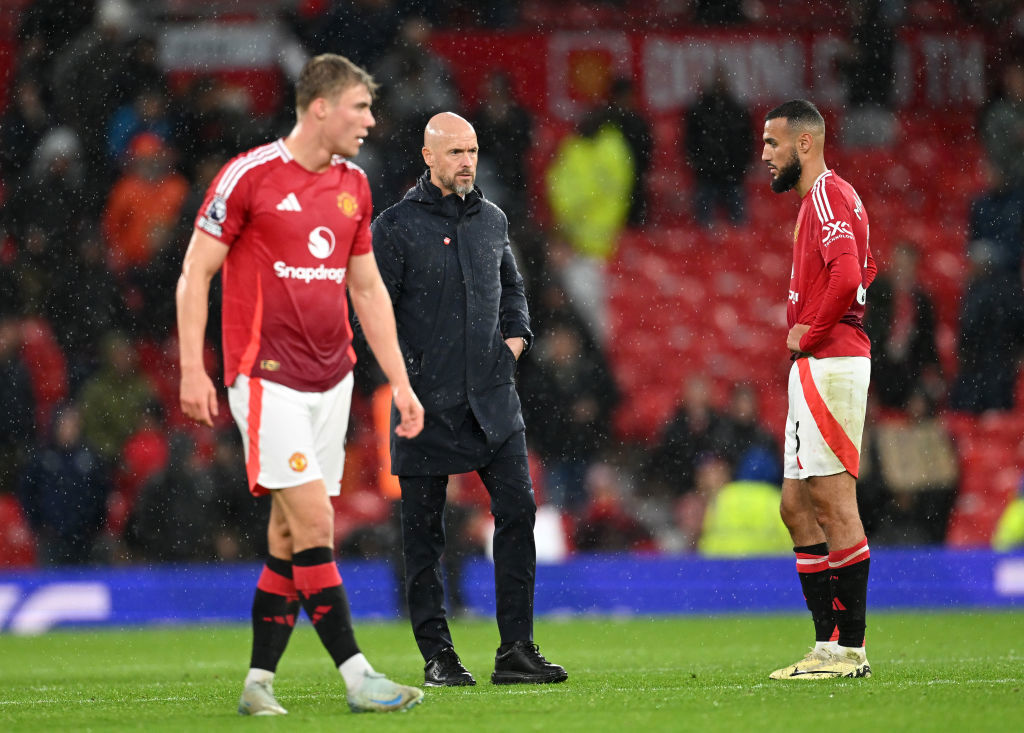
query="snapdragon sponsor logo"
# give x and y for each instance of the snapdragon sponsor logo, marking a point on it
(309, 274)
(321, 243)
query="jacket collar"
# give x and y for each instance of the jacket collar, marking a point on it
(425, 192)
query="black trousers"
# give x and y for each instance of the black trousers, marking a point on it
(507, 479)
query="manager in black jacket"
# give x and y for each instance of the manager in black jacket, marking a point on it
(444, 254)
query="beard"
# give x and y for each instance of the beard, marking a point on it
(787, 176)
(461, 189)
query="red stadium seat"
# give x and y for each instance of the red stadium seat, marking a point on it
(991, 448)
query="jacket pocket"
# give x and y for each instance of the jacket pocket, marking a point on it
(506, 370)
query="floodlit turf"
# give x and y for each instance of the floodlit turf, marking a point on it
(934, 671)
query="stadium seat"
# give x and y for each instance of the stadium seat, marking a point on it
(991, 449)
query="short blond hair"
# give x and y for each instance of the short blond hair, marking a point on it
(327, 76)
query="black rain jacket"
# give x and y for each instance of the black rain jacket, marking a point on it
(457, 294)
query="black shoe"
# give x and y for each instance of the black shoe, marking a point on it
(445, 669)
(522, 662)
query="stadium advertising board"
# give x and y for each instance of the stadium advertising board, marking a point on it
(563, 73)
(33, 602)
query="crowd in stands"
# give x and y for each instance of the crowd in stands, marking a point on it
(104, 162)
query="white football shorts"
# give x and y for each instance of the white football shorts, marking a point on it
(291, 437)
(827, 400)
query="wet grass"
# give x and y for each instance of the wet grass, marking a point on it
(933, 671)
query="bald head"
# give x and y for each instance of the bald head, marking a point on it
(445, 125)
(450, 151)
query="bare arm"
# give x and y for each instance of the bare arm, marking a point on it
(373, 307)
(203, 259)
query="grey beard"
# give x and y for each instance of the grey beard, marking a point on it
(451, 185)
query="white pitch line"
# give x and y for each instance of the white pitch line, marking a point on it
(561, 688)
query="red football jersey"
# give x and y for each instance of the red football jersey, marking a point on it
(832, 222)
(291, 232)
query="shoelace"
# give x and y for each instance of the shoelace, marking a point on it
(533, 651)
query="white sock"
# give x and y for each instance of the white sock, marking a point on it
(258, 675)
(827, 646)
(858, 650)
(353, 670)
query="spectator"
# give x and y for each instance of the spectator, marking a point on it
(85, 82)
(622, 114)
(608, 523)
(997, 215)
(238, 518)
(711, 473)
(694, 431)
(718, 144)
(415, 84)
(53, 196)
(45, 29)
(589, 185)
(83, 304)
(868, 67)
(741, 431)
(114, 399)
(918, 467)
(1002, 127)
(17, 419)
(572, 287)
(390, 172)
(901, 323)
(503, 128)
(742, 517)
(143, 206)
(569, 395)
(173, 519)
(872, 492)
(21, 129)
(213, 119)
(365, 29)
(144, 113)
(145, 453)
(35, 265)
(1009, 532)
(991, 335)
(63, 492)
(142, 70)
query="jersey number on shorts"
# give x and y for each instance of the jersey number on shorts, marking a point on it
(796, 434)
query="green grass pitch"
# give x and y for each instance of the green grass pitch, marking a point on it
(961, 671)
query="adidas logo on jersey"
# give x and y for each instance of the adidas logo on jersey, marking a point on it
(289, 203)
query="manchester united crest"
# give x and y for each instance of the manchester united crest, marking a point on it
(348, 204)
(298, 462)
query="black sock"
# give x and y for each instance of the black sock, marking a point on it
(274, 608)
(850, 592)
(322, 595)
(812, 567)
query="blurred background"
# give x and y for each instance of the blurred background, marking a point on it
(622, 138)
